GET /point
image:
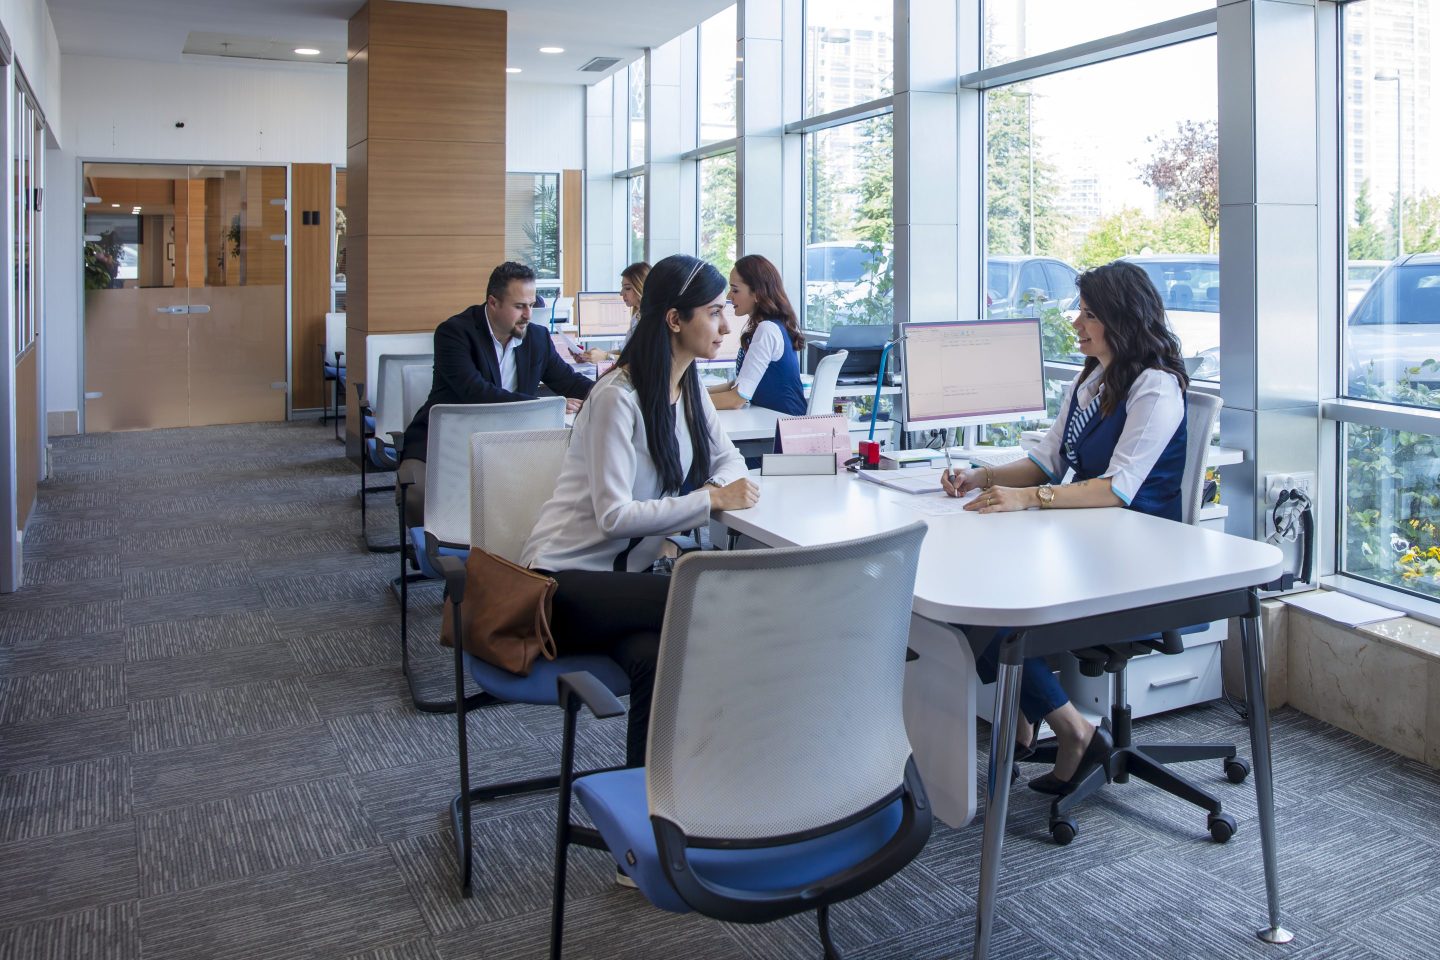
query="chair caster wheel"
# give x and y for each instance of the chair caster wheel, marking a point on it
(1062, 831)
(1237, 769)
(1222, 827)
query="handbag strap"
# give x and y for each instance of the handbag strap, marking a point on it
(542, 623)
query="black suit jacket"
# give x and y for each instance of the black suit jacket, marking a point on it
(466, 371)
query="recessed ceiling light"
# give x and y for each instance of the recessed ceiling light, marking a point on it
(135, 210)
(114, 204)
(512, 69)
(552, 49)
(307, 51)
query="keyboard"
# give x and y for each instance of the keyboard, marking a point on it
(989, 456)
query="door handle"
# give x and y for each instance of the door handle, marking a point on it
(199, 308)
(180, 309)
(1173, 681)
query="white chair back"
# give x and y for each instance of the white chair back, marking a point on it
(822, 387)
(512, 475)
(1201, 412)
(334, 336)
(415, 391)
(777, 715)
(447, 455)
(387, 400)
(378, 345)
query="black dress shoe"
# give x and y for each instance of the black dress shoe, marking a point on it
(1097, 751)
(1028, 751)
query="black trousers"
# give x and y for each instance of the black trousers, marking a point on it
(618, 615)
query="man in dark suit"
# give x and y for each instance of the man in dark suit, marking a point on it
(491, 353)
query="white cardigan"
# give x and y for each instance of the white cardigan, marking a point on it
(609, 491)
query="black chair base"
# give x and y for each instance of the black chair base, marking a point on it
(1146, 761)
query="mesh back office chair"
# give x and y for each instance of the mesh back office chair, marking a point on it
(822, 387)
(332, 359)
(415, 389)
(512, 475)
(779, 777)
(446, 530)
(383, 425)
(1147, 761)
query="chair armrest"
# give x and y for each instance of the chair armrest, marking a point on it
(406, 476)
(397, 440)
(453, 570)
(591, 692)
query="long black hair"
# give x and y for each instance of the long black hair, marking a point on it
(1121, 295)
(680, 283)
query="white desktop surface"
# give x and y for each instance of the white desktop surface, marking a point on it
(1020, 569)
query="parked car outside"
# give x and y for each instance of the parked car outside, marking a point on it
(1018, 286)
(1359, 274)
(1393, 334)
(1189, 285)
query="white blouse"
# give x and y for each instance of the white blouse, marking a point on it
(609, 490)
(1153, 410)
(767, 344)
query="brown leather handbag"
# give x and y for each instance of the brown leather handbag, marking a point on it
(506, 615)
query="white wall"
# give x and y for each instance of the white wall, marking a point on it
(32, 34)
(239, 113)
(544, 127)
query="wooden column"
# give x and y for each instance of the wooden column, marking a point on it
(426, 165)
(572, 234)
(310, 284)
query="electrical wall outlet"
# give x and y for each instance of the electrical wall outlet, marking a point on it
(1275, 482)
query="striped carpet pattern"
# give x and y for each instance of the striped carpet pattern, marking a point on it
(207, 750)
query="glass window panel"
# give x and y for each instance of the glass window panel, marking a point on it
(1391, 334)
(1069, 187)
(849, 54)
(1016, 29)
(532, 222)
(636, 75)
(717, 77)
(717, 211)
(341, 233)
(1392, 508)
(637, 218)
(849, 225)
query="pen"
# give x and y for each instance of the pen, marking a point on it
(949, 466)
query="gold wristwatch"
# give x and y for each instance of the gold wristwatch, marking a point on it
(1046, 493)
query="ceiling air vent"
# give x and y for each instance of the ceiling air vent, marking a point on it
(599, 64)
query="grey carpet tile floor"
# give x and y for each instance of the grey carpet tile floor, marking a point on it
(207, 750)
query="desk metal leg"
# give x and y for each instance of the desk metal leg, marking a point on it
(1254, 653)
(1002, 750)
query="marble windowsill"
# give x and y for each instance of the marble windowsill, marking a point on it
(1416, 636)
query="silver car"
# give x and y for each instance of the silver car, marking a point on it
(1393, 334)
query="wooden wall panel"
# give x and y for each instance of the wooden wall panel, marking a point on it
(432, 94)
(310, 281)
(27, 432)
(572, 230)
(426, 190)
(415, 283)
(430, 189)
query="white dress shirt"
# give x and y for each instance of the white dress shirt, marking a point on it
(609, 490)
(1153, 410)
(505, 357)
(767, 344)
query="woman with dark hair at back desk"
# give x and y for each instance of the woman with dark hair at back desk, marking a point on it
(1121, 430)
(647, 459)
(768, 367)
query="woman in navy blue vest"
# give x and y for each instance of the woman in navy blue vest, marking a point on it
(1121, 430)
(769, 359)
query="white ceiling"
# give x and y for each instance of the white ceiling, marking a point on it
(158, 29)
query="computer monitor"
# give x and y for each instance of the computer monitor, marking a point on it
(974, 372)
(601, 315)
(863, 342)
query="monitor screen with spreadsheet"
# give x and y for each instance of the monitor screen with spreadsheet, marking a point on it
(601, 315)
(973, 372)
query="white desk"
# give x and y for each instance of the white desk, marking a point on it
(1006, 570)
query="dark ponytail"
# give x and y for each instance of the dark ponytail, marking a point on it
(680, 283)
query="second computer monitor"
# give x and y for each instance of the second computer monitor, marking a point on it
(974, 372)
(601, 315)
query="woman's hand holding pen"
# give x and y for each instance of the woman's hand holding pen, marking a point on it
(998, 499)
(957, 483)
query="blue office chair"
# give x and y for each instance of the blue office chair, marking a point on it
(778, 777)
(512, 474)
(446, 530)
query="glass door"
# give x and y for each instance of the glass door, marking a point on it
(184, 295)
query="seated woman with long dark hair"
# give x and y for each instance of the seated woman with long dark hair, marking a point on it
(769, 361)
(1121, 430)
(647, 459)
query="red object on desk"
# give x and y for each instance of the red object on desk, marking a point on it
(870, 454)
